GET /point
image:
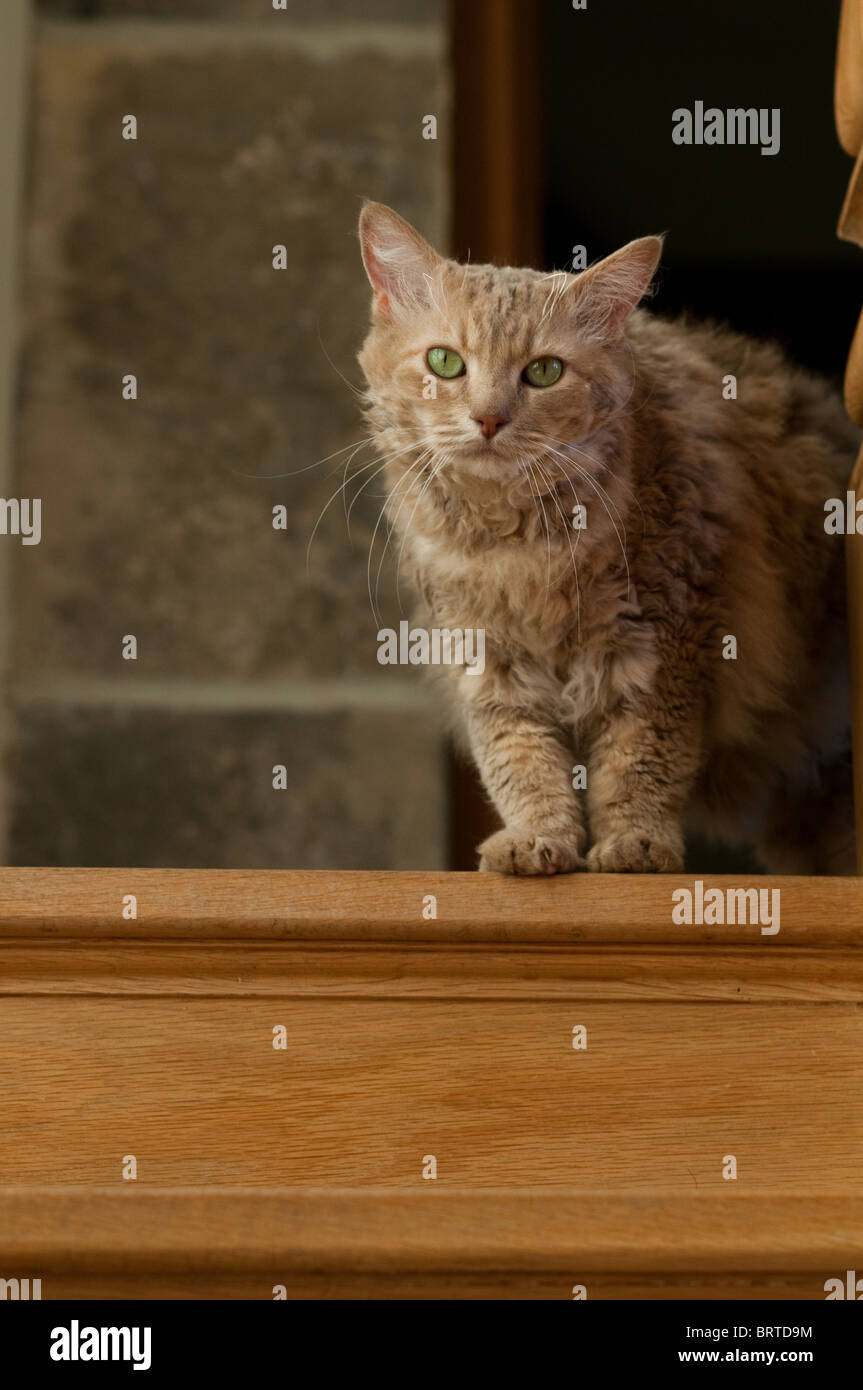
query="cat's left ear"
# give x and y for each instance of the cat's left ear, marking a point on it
(399, 262)
(607, 293)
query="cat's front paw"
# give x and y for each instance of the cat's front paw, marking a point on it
(514, 851)
(637, 852)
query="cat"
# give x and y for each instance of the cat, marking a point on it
(645, 553)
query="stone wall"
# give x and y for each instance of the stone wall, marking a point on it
(153, 258)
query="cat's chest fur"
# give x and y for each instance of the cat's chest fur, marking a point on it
(588, 633)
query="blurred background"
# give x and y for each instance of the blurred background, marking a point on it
(259, 127)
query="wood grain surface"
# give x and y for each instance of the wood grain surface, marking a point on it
(404, 1037)
(317, 1243)
(247, 904)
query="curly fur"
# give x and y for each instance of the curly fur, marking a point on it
(705, 519)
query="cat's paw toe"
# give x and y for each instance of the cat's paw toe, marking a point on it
(514, 851)
(636, 852)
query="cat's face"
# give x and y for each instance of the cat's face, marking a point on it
(486, 370)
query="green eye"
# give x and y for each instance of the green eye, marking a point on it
(544, 371)
(444, 362)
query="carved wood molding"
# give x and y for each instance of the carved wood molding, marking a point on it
(255, 904)
(408, 1036)
(528, 1244)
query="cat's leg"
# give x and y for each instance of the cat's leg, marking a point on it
(525, 761)
(641, 772)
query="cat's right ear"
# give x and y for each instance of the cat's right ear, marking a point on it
(399, 262)
(608, 291)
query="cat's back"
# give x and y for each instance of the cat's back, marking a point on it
(710, 382)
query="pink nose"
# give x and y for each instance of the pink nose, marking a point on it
(490, 424)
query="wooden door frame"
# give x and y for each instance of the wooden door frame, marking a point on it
(496, 146)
